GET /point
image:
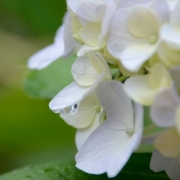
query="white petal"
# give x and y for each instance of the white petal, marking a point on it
(167, 143)
(139, 22)
(44, 57)
(130, 3)
(90, 33)
(175, 74)
(157, 162)
(117, 105)
(58, 40)
(175, 15)
(72, 94)
(169, 55)
(161, 10)
(119, 36)
(110, 10)
(133, 143)
(83, 134)
(90, 11)
(164, 107)
(108, 149)
(83, 71)
(171, 34)
(170, 165)
(73, 4)
(85, 114)
(133, 57)
(101, 148)
(85, 49)
(69, 43)
(100, 64)
(130, 50)
(139, 90)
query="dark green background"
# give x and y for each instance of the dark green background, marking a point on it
(29, 132)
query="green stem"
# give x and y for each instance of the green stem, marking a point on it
(117, 74)
(122, 78)
(149, 129)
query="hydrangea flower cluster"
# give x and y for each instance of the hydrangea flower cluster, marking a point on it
(128, 56)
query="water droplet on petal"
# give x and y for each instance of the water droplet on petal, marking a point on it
(57, 111)
(71, 110)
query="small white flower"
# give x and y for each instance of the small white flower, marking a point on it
(167, 154)
(144, 88)
(134, 34)
(87, 71)
(171, 32)
(169, 55)
(165, 111)
(161, 163)
(86, 120)
(94, 18)
(109, 147)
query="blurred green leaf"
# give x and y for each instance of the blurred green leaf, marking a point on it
(136, 168)
(46, 83)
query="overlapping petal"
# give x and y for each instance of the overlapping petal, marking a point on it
(170, 165)
(144, 88)
(133, 40)
(164, 107)
(109, 147)
(171, 31)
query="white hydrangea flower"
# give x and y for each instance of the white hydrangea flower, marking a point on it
(169, 55)
(88, 117)
(63, 45)
(165, 111)
(171, 32)
(94, 22)
(167, 154)
(87, 71)
(134, 35)
(144, 88)
(172, 3)
(109, 147)
(161, 163)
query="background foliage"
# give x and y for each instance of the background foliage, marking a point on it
(29, 132)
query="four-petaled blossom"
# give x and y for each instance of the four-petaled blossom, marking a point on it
(165, 111)
(144, 88)
(167, 152)
(88, 117)
(109, 147)
(87, 71)
(134, 35)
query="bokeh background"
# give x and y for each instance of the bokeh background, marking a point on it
(29, 132)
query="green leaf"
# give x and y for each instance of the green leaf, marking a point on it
(136, 168)
(46, 83)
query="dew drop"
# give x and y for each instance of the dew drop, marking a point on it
(71, 110)
(57, 111)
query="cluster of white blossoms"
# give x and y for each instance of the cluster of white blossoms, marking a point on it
(128, 56)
